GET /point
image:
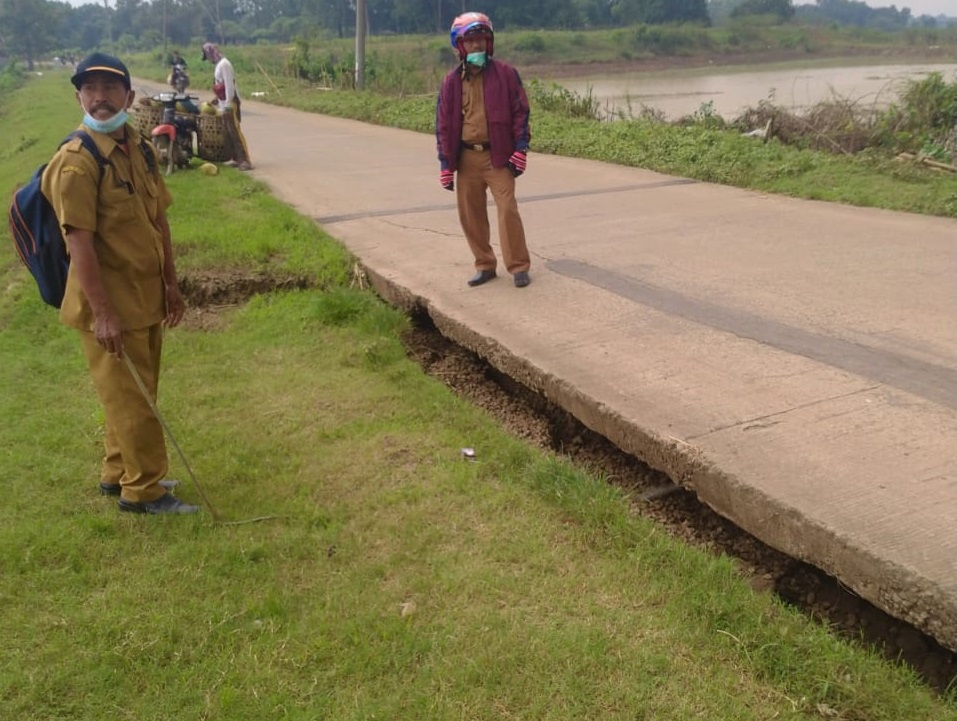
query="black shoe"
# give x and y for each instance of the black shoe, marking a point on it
(113, 489)
(522, 279)
(483, 276)
(167, 503)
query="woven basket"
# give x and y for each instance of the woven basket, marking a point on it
(145, 118)
(213, 141)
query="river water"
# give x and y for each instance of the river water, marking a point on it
(731, 90)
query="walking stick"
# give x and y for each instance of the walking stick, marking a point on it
(169, 433)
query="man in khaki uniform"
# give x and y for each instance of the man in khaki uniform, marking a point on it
(122, 284)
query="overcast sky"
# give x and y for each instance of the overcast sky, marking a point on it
(918, 7)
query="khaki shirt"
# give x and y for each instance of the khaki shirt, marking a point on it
(474, 122)
(121, 211)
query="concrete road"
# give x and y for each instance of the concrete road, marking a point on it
(793, 362)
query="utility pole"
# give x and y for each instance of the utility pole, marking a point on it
(109, 23)
(360, 44)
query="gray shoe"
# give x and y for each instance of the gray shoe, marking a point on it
(167, 503)
(522, 279)
(481, 277)
(113, 489)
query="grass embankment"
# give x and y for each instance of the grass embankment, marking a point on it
(397, 581)
(404, 73)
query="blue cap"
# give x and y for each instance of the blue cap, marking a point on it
(100, 63)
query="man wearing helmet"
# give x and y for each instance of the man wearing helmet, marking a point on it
(482, 133)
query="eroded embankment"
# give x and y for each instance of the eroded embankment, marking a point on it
(546, 412)
(558, 427)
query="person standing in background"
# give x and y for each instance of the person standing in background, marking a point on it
(482, 133)
(227, 99)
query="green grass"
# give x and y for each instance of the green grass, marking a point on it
(396, 581)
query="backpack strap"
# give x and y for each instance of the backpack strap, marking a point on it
(91, 148)
(149, 153)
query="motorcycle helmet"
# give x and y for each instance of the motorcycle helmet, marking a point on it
(471, 24)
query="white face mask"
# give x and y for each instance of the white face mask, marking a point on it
(111, 124)
(107, 126)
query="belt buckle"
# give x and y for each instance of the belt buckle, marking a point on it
(477, 147)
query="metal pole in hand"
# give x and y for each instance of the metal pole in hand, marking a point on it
(169, 433)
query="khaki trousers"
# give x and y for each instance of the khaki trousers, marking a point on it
(475, 175)
(135, 450)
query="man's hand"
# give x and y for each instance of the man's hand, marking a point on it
(175, 305)
(516, 163)
(447, 179)
(109, 332)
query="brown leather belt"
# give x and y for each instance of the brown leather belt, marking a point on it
(477, 147)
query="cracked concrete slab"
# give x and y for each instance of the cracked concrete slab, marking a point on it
(793, 362)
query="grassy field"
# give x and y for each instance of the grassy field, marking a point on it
(395, 581)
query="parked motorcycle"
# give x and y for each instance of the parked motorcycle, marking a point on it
(178, 78)
(176, 138)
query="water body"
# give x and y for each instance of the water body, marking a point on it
(731, 90)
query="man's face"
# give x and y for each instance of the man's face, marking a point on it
(477, 43)
(103, 95)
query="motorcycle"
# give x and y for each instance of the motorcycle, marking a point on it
(176, 138)
(178, 78)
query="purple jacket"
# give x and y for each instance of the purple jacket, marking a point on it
(506, 108)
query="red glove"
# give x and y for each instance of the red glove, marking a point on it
(516, 163)
(447, 179)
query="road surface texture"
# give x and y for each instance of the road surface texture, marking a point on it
(792, 362)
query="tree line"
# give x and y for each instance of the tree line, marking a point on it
(31, 29)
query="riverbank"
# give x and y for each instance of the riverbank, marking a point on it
(847, 56)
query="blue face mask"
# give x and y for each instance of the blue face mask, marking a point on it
(477, 59)
(107, 126)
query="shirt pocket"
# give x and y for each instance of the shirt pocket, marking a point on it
(117, 202)
(149, 192)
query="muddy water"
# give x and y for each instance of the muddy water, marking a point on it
(731, 90)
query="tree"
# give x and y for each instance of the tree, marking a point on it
(596, 13)
(409, 16)
(656, 12)
(783, 10)
(337, 15)
(853, 12)
(83, 27)
(535, 14)
(29, 28)
(720, 10)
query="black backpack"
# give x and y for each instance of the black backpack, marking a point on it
(36, 230)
